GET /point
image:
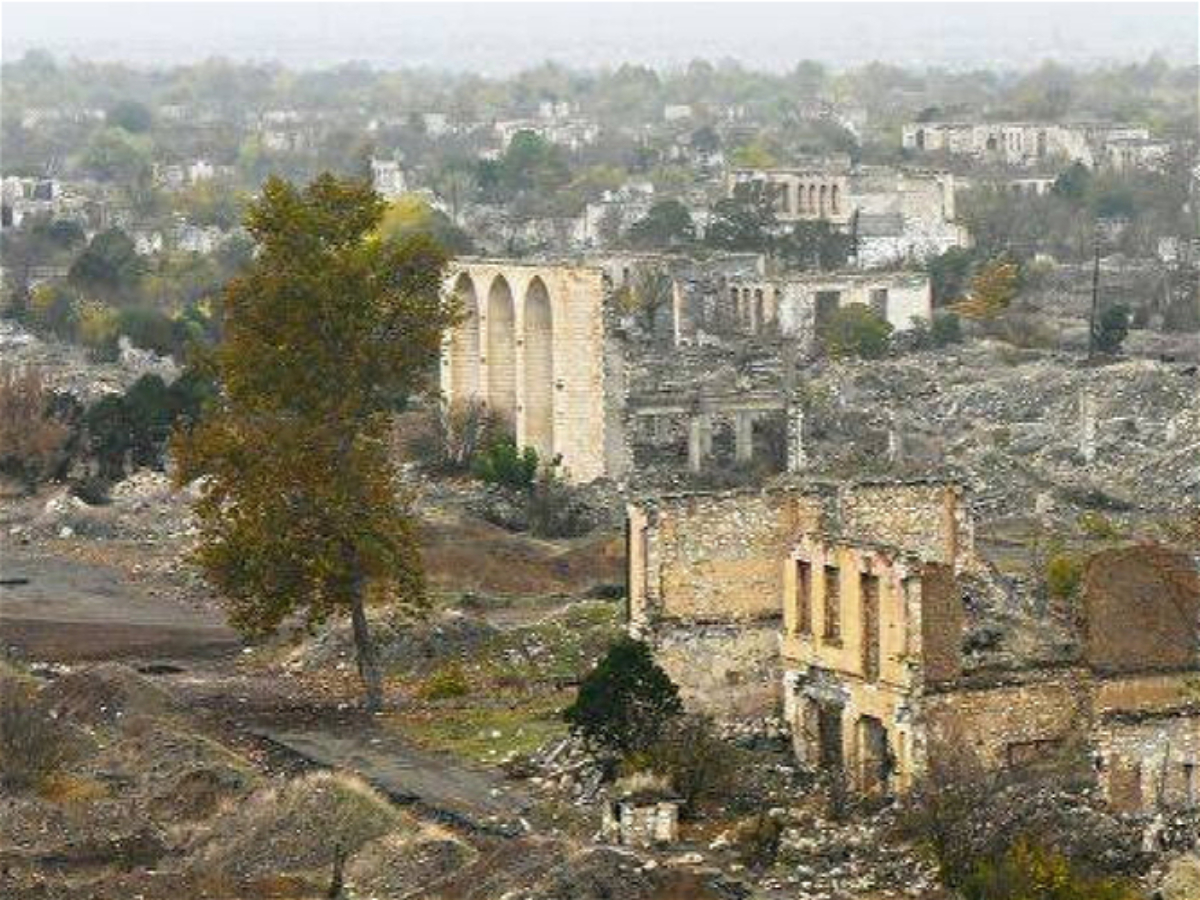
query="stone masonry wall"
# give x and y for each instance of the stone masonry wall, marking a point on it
(585, 365)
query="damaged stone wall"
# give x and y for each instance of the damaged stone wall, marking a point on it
(709, 574)
(926, 517)
(1142, 610)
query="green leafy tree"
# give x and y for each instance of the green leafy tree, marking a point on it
(856, 330)
(109, 268)
(1074, 182)
(1112, 328)
(412, 215)
(668, 225)
(815, 245)
(744, 222)
(116, 155)
(323, 332)
(949, 275)
(626, 701)
(130, 115)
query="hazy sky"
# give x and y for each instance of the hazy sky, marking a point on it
(498, 38)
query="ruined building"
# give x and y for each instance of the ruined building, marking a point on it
(864, 612)
(534, 343)
(1025, 143)
(796, 305)
(895, 214)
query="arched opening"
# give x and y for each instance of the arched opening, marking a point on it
(821, 208)
(834, 200)
(920, 138)
(501, 350)
(538, 412)
(812, 199)
(464, 342)
(758, 324)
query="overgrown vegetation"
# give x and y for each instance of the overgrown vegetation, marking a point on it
(855, 330)
(33, 745)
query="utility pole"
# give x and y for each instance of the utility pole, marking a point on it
(1095, 295)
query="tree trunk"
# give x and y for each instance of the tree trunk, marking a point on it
(368, 659)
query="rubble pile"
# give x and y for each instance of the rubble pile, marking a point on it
(825, 860)
(565, 767)
(69, 369)
(1028, 429)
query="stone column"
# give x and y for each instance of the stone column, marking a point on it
(695, 444)
(1087, 426)
(796, 458)
(743, 435)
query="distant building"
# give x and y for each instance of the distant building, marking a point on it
(1020, 143)
(895, 214)
(677, 112)
(388, 178)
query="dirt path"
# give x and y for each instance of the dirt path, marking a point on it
(467, 798)
(64, 610)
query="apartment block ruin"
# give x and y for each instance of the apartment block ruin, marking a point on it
(1026, 143)
(895, 214)
(863, 612)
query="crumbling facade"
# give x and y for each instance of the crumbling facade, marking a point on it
(535, 344)
(893, 214)
(852, 606)
(795, 305)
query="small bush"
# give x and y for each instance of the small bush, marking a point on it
(1064, 574)
(1098, 526)
(444, 684)
(700, 766)
(1112, 328)
(33, 746)
(854, 330)
(32, 437)
(946, 329)
(757, 841)
(1029, 871)
(501, 462)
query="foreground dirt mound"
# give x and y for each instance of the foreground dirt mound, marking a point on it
(105, 694)
(405, 865)
(462, 553)
(541, 869)
(297, 828)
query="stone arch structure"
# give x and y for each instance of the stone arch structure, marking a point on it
(812, 198)
(537, 406)
(822, 208)
(540, 350)
(501, 349)
(834, 200)
(464, 341)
